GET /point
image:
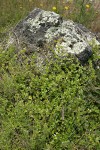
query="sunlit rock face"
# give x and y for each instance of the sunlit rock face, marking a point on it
(42, 28)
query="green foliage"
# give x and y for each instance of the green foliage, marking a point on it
(54, 110)
(84, 12)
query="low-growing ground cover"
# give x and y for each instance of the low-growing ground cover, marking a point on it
(57, 109)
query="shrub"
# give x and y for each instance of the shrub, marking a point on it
(57, 109)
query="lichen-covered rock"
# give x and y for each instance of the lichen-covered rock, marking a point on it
(42, 28)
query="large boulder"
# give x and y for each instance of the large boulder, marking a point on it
(42, 29)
